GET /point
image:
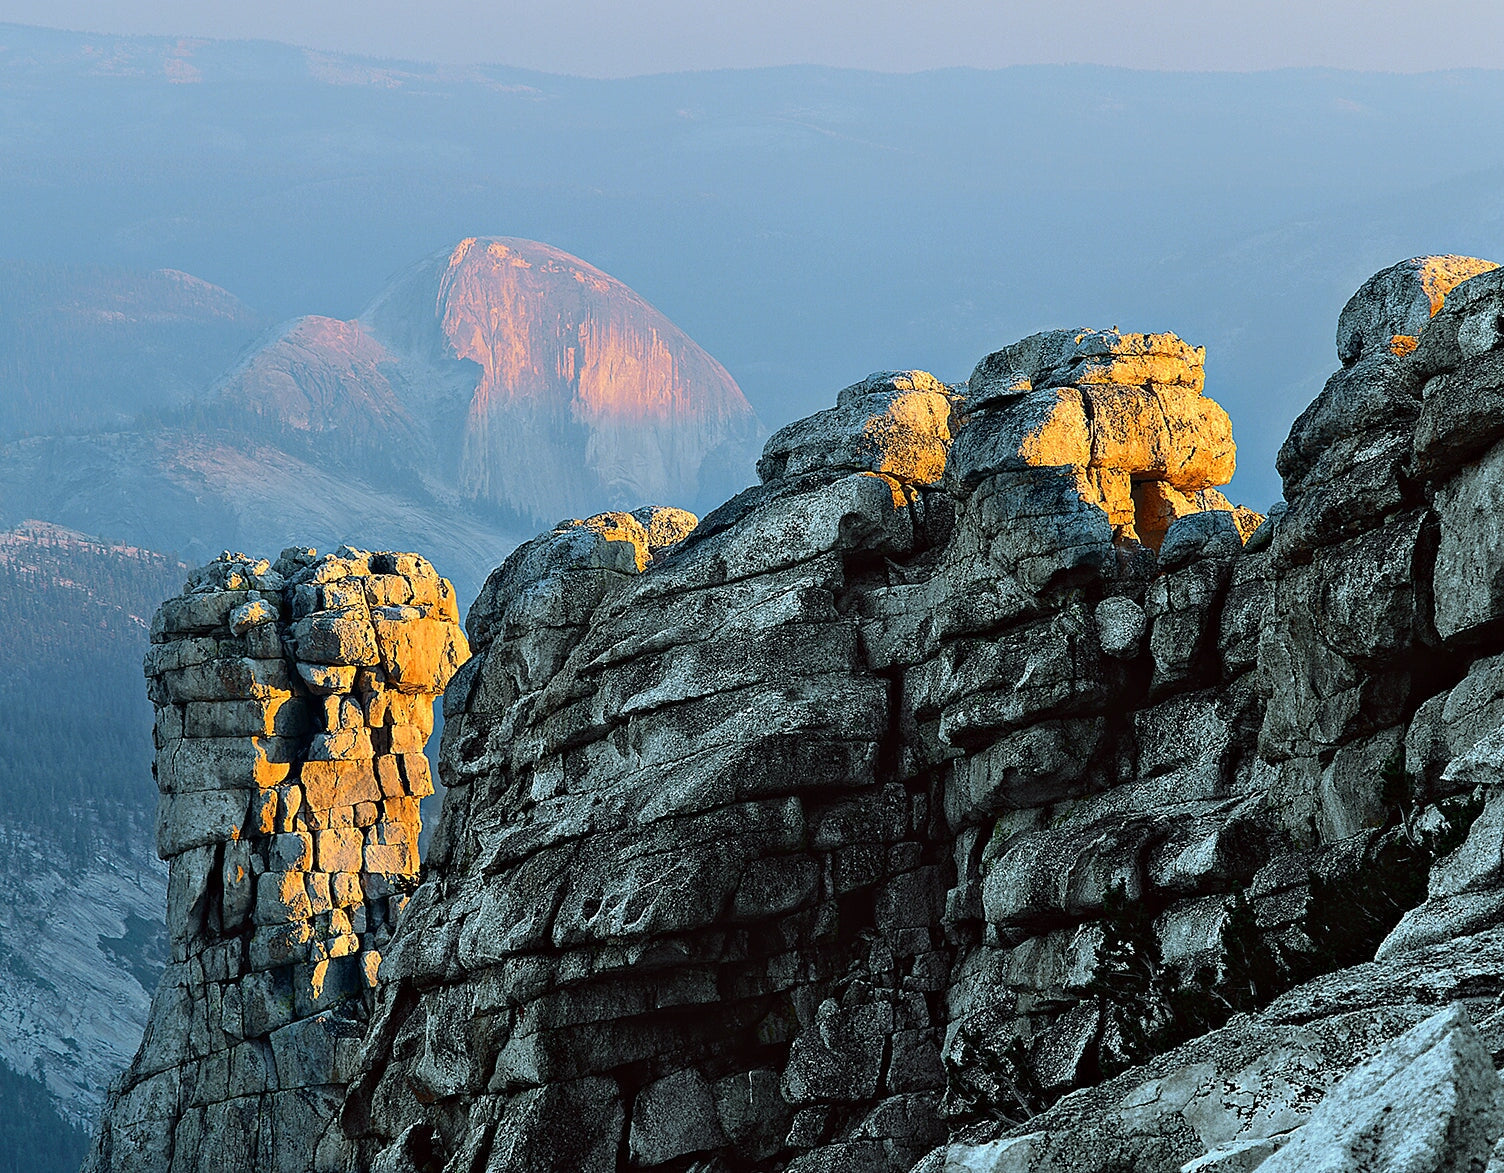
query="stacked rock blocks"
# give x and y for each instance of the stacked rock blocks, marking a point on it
(1125, 410)
(293, 702)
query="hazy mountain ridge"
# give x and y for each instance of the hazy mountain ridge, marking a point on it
(324, 377)
(85, 345)
(197, 490)
(804, 225)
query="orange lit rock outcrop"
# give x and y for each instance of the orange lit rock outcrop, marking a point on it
(293, 704)
(1126, 410)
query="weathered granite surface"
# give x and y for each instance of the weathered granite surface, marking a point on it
(293, 703)
(982, 791)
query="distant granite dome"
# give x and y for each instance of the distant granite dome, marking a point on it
(549, 387)
(490, 389)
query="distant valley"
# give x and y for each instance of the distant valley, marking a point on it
(81, 889)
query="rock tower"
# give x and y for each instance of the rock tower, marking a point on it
(293, 702)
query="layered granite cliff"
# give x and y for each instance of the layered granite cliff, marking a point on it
(981, 791)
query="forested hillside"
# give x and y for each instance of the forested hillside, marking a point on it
(75, 726)
(76, 805)
(83, 347)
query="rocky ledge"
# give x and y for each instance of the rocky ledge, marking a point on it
(982, 791)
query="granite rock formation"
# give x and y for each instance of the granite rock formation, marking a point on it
(293, 703)
(982, 791)
(513, 374)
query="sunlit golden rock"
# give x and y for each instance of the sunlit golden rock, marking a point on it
(665, 525)
(1127, 409)
(896, 423)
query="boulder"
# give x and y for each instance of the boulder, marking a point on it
(1040, 429)
(1066, 357)
(839, 1059)
(665, 526)
(1462, 414)
(672, 1117)
(1125, 410)
(1451, 723)
(1210, 534)
(1429, 1101)
(1464, 327)
(1390, 309)
(1121, 624)
(905, 434)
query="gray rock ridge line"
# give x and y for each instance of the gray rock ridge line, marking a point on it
(982, 790)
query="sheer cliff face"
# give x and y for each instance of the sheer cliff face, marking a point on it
(587, 395)
(513, 374)
(980, 754)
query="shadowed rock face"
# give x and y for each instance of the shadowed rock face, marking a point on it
(719, 813)
(855, 826)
